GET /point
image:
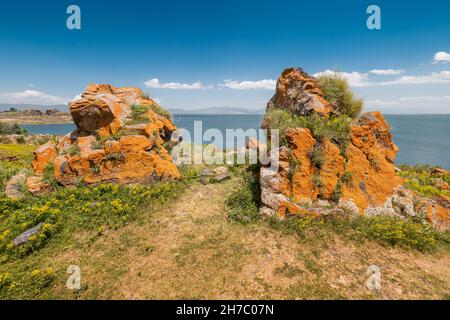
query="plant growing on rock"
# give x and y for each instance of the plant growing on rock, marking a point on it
(338, 92)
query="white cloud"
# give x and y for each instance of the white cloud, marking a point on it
(411, 105)
(441, 56)
(360, 80)
(77, 97)
(154, 83)
(433, 78)
(31, 85)
(355, 79)
(31, 97)
(387, 72)
(266, 84)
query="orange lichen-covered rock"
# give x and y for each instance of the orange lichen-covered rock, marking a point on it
(36, 185)
(370, 160)
(108, 146)
(299, 93)
(331, 170)
(302, 143)
(43, 156)
(358, 176)
(436, 214)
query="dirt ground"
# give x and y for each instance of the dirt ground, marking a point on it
(189, 250)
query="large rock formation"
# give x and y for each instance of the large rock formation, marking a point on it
(356, 179)
(119, 139)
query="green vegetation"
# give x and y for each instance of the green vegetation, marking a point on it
(337, 129)
(338, 92)
(6, 128)
(243, 207)
(139, 112)
(15, 158)
(244, 202)
(161, 111)
(423, 180)
(73, 150)
(316, 156)
(49, 176)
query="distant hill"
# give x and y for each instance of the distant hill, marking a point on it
(217, 110)
(21, 107)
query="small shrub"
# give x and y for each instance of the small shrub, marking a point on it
(49, 175)
(316, 156)
(161, 111)
(338, 92)
(73, 150)
(421, 179)
(243, 203)
(395, 231)
(139, 114)
(6, 128)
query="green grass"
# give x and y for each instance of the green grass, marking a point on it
(21, 161)
(243, 207)
(338, 92)
(422, 180)
(139, 113)
(243, 203)
(65, 213)
(337, 129)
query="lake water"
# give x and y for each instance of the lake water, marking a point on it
(422, 139)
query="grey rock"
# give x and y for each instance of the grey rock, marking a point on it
(220, 170)
(221, 177)
(206, 172)
(24, 237)
(14, 186)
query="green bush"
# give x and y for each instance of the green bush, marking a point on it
(337, 129)
(6, 128)
(422, 180)
(395, 231)
(73, 150)
(243, 203)
(161, 111)
(338, 92)
(316, 156)
(139, 112)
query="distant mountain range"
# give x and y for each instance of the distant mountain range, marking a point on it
(212, 110)
(21, 107)
(217, 110)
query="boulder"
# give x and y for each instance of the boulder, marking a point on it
(107, 146)
(25, 236)
(37, 186)
(299, 93)
(43, 156)
(14, 187)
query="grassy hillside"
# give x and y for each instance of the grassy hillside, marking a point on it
(188, 240)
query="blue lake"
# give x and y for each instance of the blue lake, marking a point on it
(422, 139)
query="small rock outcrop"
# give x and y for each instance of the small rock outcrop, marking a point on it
(358, 178)
(299, 93)
(120, 138)
(14, 187)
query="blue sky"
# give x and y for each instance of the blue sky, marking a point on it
(197, 54)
